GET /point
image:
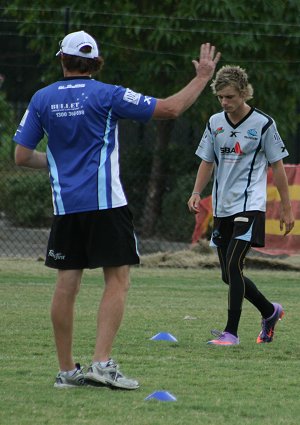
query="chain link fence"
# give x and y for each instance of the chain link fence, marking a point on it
(158, 167)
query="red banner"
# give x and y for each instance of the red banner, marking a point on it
(202, 218)
(276, 243)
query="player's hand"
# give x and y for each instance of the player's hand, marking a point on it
(194, 203)
(206, 65)
(287, 220)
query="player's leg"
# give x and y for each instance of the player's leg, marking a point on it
(62, 315)
(111, 310)
(237, 234)
(231, 259)
(235, 256)
(65, 252)
(256, 298)
(252, 294)
(222, 251)
(104, 370)
(115, 250)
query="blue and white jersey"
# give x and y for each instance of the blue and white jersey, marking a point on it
(241, 153)
(80, 117)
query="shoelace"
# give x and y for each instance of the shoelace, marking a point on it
(116, 373)
(111, 363)
(267, 327)
(79, 368)
(216, 333)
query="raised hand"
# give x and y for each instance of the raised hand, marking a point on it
(206, 65)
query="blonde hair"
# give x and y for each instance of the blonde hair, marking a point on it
(233, 76)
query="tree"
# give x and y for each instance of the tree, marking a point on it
(149, 47)
(6, 113)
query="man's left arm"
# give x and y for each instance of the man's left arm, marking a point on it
(281, 182)
(30, 157)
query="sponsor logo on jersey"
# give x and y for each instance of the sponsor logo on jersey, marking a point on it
(234, 133)
(72, 109)
(277, 137)
(251, 134)
(71, 86)
(147, 99)
(64, 106)
(236, 149)
(219, 130)
(131, 97)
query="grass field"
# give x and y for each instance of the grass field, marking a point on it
(246, 384)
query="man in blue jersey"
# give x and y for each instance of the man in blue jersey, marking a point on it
(238, 144)
(92, 225)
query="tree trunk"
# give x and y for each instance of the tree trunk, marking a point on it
(156, 184)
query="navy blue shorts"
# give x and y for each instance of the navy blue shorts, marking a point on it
(103, 238)
(248, 226)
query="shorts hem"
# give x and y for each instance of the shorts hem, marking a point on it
(91, 266)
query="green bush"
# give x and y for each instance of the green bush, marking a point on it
(26, 199)
(7, 129)
(176, 223)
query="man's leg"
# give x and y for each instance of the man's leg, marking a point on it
(252, 294)
(235, 256)
(62, 315)
(111, 310)
(231, 260)
(104, 370)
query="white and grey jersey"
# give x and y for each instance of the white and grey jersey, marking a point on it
(241, 153)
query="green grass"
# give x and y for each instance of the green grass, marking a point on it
(247, 384)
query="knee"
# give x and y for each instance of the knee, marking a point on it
(67, 289)
(117, 279)
(69, 292)
(126, 284)
(225, 277)
(235, 273)
(234, 269)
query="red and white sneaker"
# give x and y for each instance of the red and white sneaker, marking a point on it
(224, 338)
(268, 325)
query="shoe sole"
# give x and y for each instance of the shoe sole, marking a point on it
(66, 386)
(226, 344)
(98, 379)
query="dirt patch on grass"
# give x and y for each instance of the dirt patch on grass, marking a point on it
(201, 255)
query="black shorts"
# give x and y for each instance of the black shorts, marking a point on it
(103, 238)
(248, 226)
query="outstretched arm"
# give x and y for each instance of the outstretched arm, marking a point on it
(175, 105)
(203, 177)
(286, 213)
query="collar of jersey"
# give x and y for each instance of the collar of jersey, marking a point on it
(76, 78)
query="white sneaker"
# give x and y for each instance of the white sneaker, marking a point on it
(110, 375)
(64, 380)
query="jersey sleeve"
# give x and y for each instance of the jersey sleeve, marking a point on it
(273, 145)
(131, 105)
(205, 149)
(30, 131)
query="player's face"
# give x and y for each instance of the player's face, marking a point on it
(230, 99)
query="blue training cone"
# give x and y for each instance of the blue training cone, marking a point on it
(164, 336)
(161, 396)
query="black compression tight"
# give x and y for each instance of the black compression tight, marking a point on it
(231, 260)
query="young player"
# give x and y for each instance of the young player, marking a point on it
(237, 145)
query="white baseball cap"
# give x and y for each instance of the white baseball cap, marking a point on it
(74, 42)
